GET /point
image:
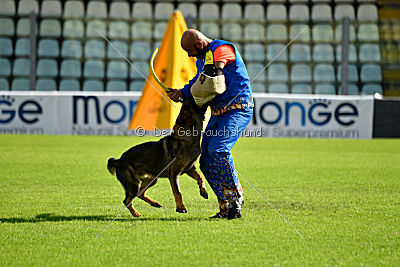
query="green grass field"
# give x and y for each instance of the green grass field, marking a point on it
(342, 195)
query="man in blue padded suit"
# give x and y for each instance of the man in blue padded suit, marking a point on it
(231, 112)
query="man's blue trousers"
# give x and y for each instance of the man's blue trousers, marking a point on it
(216, 161)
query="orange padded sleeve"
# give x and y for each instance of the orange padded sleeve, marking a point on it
(224, 53)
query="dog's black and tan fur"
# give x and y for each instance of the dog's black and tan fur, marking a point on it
(140, 165)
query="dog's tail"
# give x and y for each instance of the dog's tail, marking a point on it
(112, 165)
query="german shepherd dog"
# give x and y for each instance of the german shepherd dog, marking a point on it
(139, 167)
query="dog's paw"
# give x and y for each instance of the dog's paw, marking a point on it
(203, 193)
(157, 204)
(181, 210)
(137, 214)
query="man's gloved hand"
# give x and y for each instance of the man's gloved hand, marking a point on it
(175, 95)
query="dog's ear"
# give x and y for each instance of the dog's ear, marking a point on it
(190, 101)
(203, 111)
(204, 107)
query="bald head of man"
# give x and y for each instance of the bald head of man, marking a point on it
(195, 43)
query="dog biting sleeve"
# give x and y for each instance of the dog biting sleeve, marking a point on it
(206, 88)
(211, 82)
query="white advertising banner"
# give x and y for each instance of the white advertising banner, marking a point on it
(312, 116)
(109, 113)
(67, 113)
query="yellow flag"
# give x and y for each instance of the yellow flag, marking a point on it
(174, 68)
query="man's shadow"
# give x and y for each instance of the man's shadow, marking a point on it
(50, 217)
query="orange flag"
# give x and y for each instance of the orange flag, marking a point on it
(174, 68)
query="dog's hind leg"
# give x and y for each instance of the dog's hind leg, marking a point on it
(131, 190)
(192, 172)
(146, 198)
(174, 180)
(128, 203)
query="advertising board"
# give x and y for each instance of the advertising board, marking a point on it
(109, 113)
(312, 116)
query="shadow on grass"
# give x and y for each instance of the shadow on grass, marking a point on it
(49, 217)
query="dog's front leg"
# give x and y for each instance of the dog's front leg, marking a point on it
(174, 180)
(192, 172)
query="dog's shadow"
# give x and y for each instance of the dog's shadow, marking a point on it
(50, 217)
